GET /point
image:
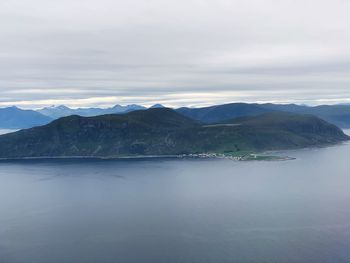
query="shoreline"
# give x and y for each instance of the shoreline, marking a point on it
(244, 157)
(268, 155)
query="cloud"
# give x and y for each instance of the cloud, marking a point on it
(91, 53)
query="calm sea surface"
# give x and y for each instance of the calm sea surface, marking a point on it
(161, 210)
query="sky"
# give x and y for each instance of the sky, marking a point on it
(84, 53)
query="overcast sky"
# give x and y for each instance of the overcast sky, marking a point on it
(177, 52)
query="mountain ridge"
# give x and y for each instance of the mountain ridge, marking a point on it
(163, 131)
(16, 118)
(335, 114)
(56, 112)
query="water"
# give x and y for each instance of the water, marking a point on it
(177, 210)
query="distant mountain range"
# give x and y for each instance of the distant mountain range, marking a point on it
(335, 114)
(63, 111)
(163, 131)
(16, 118)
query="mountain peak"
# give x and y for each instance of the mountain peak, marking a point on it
(62, 107)
(117, 106)
(16, 118)
(157, 106)
(13, 108)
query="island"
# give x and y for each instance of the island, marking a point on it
(164, 132)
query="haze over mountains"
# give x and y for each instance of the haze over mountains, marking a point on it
(56, 112)
(15, 118)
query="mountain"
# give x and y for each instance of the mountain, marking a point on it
(56, 112)
(223, 112)
(335, 114)
(15, 118)
(124, 109)
(163, 131)
(155, 106)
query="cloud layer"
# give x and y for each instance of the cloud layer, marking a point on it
(184, 52)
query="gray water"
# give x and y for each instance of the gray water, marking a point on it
(161, 210)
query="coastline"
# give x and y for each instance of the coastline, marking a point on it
(268, 155)
(243, 157)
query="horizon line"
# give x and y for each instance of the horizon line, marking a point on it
(147, 105)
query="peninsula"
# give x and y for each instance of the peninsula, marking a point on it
(163, 131)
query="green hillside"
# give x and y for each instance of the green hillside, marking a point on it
(163, 131)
